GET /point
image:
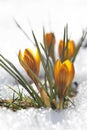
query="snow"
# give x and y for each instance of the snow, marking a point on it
(45, 119)
(53, 15)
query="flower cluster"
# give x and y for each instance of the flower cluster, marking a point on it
(54, 89)
(59, 73)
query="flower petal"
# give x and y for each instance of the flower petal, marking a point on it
(63, 76)
(63, 80)
(20, 56)
(60, 48)
(37, 58)
(56, 70)
(30, 61)
(71, 48)
(70, 67)
(50, 38)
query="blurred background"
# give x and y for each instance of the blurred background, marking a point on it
(52, 14)
(34, 14)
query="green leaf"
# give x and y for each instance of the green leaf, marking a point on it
(12, 70)
(79, 44)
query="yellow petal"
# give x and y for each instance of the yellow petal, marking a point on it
(25, 62)
(37, 58)
(71, 49)
(63, 80)
(21, 58)
(57, 69)
(70, 67)
(50, 38)
(60, 48)
(28, 59)
(29, 53)
(64, 74)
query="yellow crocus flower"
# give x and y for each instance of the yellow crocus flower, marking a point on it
(71, 49)
(64, 74)
(31, 59)
(50, 39)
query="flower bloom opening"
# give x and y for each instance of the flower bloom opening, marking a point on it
(64, 74)
(30, 59)
(71, 49)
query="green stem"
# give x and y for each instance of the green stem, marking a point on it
(61, 103)
(62, 59)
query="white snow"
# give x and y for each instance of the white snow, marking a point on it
(53, 14)
(45, 119)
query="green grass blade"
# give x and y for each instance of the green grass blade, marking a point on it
(79, 45)
(43, 63)
(12, 70)
(22, 30)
